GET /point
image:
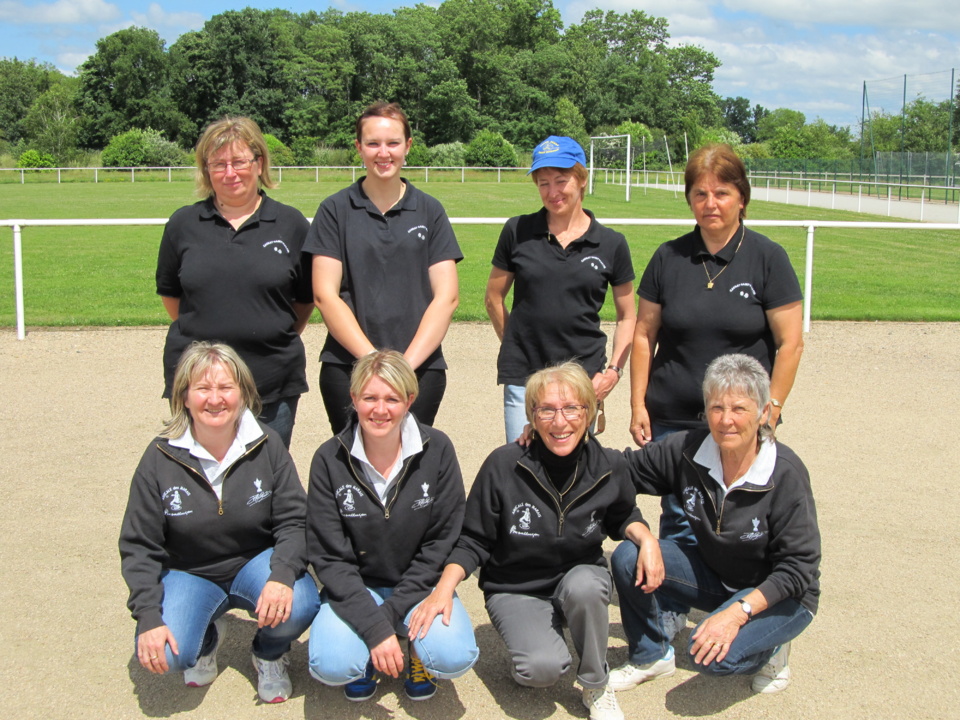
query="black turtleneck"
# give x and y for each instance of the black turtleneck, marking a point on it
(560, 469)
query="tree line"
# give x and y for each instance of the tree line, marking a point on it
(479, 79)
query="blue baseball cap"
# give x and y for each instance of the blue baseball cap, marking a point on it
(557, 152)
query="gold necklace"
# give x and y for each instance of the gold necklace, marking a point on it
(704, 261)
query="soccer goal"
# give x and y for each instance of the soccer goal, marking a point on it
(611, 155)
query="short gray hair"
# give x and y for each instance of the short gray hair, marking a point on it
(739, 373)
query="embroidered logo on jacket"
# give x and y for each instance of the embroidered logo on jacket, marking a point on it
(278, 246)
(425, 501)
(173, 500)
(756, 534)
(348, 496)
(691, 496)
(592, 525)
(524, 515)
(260, 493)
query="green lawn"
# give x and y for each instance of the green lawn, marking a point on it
(104, 275)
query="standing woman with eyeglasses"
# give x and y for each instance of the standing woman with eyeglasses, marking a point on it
(535, 523)
(231, 269)
(384, 270)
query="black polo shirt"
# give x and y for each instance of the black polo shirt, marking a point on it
(386, 261)
(239, 287)
(557, 295)
(698, 325)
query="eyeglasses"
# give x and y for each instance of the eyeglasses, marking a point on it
(570, 412)
(238, 165)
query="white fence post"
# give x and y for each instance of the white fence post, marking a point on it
(808, 280)
(18, 280)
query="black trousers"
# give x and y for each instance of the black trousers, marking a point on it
(335, 391)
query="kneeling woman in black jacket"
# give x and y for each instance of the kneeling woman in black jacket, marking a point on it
(384, 510)
(535, 524)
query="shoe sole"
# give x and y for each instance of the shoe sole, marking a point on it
(622, 687)
(418, 698)
(361, 698)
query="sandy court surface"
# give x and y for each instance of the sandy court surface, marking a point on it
(871, 415)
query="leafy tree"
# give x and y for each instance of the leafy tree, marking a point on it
(141, 148)
(280, 154)
(569, 122)
(21, 83)
(490, 149)
(34, 159)
(779, 118)
(52, 123)
(305, 150)
(124, 85)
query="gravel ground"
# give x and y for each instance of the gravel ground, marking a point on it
(81, 405)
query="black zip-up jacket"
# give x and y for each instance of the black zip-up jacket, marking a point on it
(524, 535)
(762, 536)
(174, 521)
(355, 541)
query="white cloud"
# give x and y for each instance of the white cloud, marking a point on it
(59, 12)
(939, 15)
(157, 18)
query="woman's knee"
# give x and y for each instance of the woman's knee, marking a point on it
(585, 585)
(540, 669)
(623, 564)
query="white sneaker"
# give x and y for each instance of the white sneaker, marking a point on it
(628, 675)
(673, 623)
(273, 682)
(205, 671)
(775, 675)
(602, 703)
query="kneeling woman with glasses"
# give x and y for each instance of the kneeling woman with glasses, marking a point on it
(535, 524)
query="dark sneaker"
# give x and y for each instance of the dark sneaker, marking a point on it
(419, 685)
(364, 688)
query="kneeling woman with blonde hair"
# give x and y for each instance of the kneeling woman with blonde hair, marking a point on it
(535, 524)
(215, 521)
(384, 510)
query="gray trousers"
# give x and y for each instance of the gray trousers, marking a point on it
(532, 628)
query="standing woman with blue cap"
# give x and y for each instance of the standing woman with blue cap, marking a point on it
(560, 262)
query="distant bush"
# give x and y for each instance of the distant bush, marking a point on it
(490, 149)
(280, 154)
(34, 159)
(336, 157)
(448, 155)
(419, 155)
(142, 148)
(305, 150)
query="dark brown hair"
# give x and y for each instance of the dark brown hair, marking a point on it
(387, 110)
(723, 162)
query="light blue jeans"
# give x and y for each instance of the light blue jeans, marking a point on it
(689, 580)
(339, 656)
(514, 410)
(191, 604)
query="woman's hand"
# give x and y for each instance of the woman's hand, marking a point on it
(640, 426)
(436, 603)
(604, 382)
(152, 649)
(387, 657)
(650, 570)
(274, 604)
(713, 638)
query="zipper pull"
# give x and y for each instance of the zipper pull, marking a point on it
(219, 507)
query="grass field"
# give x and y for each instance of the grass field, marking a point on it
(105, 275)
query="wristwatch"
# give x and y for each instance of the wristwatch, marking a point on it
(776, 403)
(747, 608)
(617, 370)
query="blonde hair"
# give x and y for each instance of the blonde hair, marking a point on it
(196, 360)
(569, 375)
(578, 171)
(388, 365)
(224, 132)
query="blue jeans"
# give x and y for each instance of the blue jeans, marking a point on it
(191, 604)
(339, 656)
(281, 416)
(690, 581)
(514, 410)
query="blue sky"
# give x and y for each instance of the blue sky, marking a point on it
(811, 56)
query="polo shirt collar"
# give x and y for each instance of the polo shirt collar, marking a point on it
(359, 199)
(267, 211)
(759, 474)
(726, 254)
(588, 238)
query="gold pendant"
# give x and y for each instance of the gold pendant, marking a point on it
(710, 285)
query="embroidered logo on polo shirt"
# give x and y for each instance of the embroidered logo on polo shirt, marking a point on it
(260, 493)
(425, 501)
(757, 533)
(348, 496)
(420, 230)
(691, 496)
(278, 246)
(173, 498)
(592, 525)
(595, 262)
(524, 514)
(744, 290)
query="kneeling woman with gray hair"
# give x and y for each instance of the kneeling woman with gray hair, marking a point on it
(755, 567)
(535, 524)
(215, 521)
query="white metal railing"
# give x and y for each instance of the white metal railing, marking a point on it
(810, 225)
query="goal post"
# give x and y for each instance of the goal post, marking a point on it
(603, 149)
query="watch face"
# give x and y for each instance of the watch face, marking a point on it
(746, 607)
